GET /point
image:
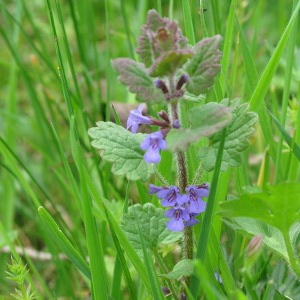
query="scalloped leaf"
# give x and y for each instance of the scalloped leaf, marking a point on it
(122, 148)
(275, 213)
(204, 120)
(238, 132)
(183, 268)
(278, 206)
(272, 237)
(152, 224)
(169, 62)
(135, 76)
(204, 66)
(159, 35)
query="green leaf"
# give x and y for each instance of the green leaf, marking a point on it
(204, 65)
(183, 268)
(205, 121)
(134, 75)
(237, 134)
(169, 62)
(272, 237)
(279, 206)
(122, 148)
(152, 223)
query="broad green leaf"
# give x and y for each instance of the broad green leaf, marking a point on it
(204, 65)
(134, 75)
(183, 268)
(279, 206)
(192, 98)
(152, 223)
(204, 120)
(169, 62)
(237, 134)
(122, 148)
(272, 237)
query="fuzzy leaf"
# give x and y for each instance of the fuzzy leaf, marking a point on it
(204, 120)
(134, 75)
(183, 268)
(204, 65)
(152, 224)
(279, 206)
(159, 35)
(272, 237)
(274, 213)
(122, 148)
(169, 62)
(238, 132)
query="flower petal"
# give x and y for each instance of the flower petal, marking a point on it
(174, 225)
(169, 213)
(146, 143)
(153, 189)
(152, 156)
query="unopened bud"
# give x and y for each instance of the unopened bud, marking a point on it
(182, 80)
(183, 296)
(176, 124)
(253, 251)
(166, 291)
(255, 246)
(161, 85)
(164, 116)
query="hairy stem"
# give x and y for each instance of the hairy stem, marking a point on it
(293, 262)
(188, 240)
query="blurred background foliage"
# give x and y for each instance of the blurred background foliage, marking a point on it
(34, 120)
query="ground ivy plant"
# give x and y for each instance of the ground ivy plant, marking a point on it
(171, 71)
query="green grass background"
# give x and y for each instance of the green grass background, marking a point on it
(56, 81)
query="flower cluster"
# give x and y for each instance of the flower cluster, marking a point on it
(155, 141)
(183, 207)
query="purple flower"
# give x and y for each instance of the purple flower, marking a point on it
(135, 118)
(192, 221)
(178, 215)
(153, 143)
(195, 193)
(171, 195)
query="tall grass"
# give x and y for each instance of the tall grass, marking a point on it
(59, 197)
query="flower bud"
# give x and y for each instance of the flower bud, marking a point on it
(253, 251)
(182, 80)
(166, 291)
(160, 84)
(164, 116)
(255, 246)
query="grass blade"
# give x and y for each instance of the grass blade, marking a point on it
(154, 282)
(202, 244)
(131, 253)
(265, 80)
(289, 140)
(63, 243)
